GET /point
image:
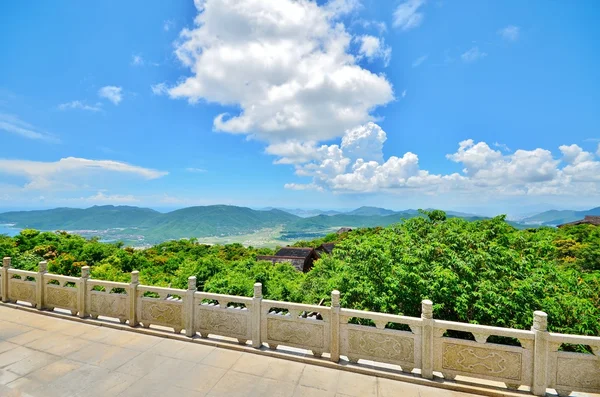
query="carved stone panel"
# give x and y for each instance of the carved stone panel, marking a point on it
(163, 313)
(482, 361)
(296, 333)
(220, 322)
(21, 291)
(378, 345)
(110, 305)
(578, 374)
(61, 297)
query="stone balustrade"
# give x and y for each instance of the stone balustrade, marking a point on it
(416, 345)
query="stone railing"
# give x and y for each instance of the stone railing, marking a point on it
(423, 345)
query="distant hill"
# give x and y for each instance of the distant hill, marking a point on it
(556, 217)
(371, 211)
(203, 221)
(96, 217)
(304, 213)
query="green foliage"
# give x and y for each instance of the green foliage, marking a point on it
(483, 271)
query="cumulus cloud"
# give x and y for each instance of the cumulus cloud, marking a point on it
(12, 124)
(407, 15)
(510, 33)
(195, 170)
(357, 165)
(598, 151)
(80, 105)
(372, 47)
(112, 93)
(287, 65)
(67, 172)
(472, 55)
(102, 198)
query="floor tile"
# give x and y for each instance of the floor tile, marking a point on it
(31, 363)
(222, 358)
(284, 370)
(234, 384)
(202, 378)
(305, 391)
(357, 385)
(320, 378)
(252, 364)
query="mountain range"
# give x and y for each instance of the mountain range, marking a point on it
(225, 220)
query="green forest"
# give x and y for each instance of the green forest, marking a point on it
(483, 271)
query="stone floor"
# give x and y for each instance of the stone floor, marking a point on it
(46, 357)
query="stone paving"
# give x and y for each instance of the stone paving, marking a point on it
(52, 357)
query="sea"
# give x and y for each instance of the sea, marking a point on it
(9, 230)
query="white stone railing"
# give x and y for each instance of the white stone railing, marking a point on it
(537, 363)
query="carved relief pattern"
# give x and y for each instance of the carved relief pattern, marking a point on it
(481, 360)
(224, 323)
(108, 305)
(296, 333)
(22, 291)
(389, 347)
(162, 313)
(61, 297)
(578, 373)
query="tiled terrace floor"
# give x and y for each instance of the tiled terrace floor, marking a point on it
(46, 357)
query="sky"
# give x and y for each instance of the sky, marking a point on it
(487, 107)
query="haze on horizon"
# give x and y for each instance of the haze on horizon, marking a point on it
(465, 106)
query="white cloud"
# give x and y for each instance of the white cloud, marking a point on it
(66, 173)
(195, 170)
(112, 93)
(417, 62)
(404, 94)
(159, 89)
(598, 151)
(372, 48)
(298, 80)
(101, 198)
(168, 25)
(80, 105)
(380, 26)
(137, 60)
(472, 55)
(407, 15)
(358, 166)
(510, 33)
(502, 146)
(12, 124)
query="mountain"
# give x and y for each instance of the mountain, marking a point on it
(214, 220)
(304, 213)
(96, 217)
(371, 211)
(556, 217)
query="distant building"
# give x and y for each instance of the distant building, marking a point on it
(326, 248)
(344, 230)
(301, 258)
(588, 220)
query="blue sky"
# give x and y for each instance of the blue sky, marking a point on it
(484, 106)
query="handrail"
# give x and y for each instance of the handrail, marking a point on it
(537, 364)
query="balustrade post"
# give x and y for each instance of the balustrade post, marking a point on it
(427, 339)
(190, 307)
(335, 326)
(5, 267)
(540, 353)
(256, 310)
(39, 285)
(133, 299)
(85, 274)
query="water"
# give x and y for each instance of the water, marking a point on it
(11, 231)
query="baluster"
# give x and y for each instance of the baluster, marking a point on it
(256, 316)
(5, 267)
(39, 284)
(82, 292)
(133, 298)
(427, 339)
(190, 307)
(334, 323)
(540, 353)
